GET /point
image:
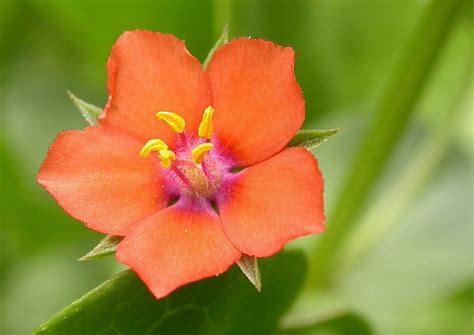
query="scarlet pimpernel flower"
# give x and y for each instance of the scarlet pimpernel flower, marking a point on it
(191, 165)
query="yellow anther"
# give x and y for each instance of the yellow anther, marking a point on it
(153, 145)
(199, 151)
(205, 127)
(166, 156)
(173, 120)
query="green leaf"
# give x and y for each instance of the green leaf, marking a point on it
(106, 246)
(220, 305)
(90, 112)
(249, 266)
(310, 139)
(340, 324)
(220, 42)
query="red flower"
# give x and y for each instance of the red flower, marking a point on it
(184, 208)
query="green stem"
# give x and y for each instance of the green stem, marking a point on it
(402, 193)
(390, 119)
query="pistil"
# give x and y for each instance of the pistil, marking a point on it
(180, 175)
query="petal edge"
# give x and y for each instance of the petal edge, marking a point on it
(262, 213)
(149, 72)
(259, 104)
(176, 247)
(97, 177)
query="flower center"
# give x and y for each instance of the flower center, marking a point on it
(195, 167)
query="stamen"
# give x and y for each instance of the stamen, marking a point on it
(153, 145)
(199, 151)
(173, 120)
(206, 127)
(166, 156)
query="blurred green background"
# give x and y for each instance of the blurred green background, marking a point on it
(402, 257)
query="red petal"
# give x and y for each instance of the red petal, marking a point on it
(98, 177)
(273, 202)
(149, 72)
(176, 247)
(259, 105)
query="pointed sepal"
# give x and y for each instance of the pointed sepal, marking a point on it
(90, 112)
(108, 245)
(249, 266)
(223, 39)
(310, 139)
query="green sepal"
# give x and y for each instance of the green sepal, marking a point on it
(310, 139)
(220, 42)
(107, 246)
(249, 266)
(90, 112)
